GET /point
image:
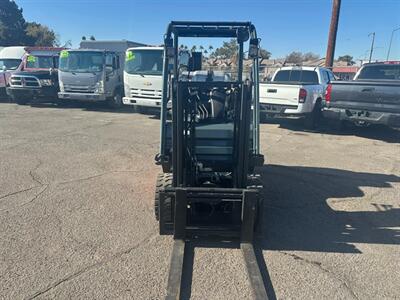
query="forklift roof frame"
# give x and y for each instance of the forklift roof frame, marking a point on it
(243, 31)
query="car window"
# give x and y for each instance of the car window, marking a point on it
(300, 76)
(325, 76)
(384, 72)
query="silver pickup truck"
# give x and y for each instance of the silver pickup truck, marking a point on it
(373, 97)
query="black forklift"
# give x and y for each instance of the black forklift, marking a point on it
(210, 148)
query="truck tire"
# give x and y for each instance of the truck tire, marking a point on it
(20, 100)
(313, 119)
(116, 100)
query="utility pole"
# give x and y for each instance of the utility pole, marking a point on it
(391, 39)
(372, 45)
(330, 52)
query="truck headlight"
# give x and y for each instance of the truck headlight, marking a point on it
(99, 87)
(61, 85)
(46, 82)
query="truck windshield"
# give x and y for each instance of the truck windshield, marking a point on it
(298, 76)
(384, 72)
(81, 61)
(10, 64)
(40, 62)
(144, 62)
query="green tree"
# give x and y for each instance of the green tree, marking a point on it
(83, 38)
(347, 58)
(295, 57)
(12, 24)
(40, 35)
(227, 50)
(310, 56)
(92, 38)
(194, 48)
(264, 54)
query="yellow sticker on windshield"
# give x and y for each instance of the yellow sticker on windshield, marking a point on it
(31, 59)
(130, 56)
(64, 54)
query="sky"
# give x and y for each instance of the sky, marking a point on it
(283, 25)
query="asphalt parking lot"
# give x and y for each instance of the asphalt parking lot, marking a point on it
(77, 222)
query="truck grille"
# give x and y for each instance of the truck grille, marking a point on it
(24, 81)
(146, 93)
(79, 89)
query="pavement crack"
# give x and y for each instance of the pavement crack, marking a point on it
(17, 192)
(323, 269)
(36, 196)
(92, 266)
(33, 174)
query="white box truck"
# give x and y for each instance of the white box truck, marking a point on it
(94, 72)
(143, 77)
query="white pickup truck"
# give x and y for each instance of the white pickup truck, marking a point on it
(295, 92)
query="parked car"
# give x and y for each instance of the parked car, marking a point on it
(39, 78)
(373, 97)
(10, 62)
(94, 72)
(295, 92)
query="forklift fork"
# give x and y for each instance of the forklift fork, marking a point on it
(249, 208)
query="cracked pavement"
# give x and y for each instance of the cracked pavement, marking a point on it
(76, 215)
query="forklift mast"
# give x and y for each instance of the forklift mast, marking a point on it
(210, 148)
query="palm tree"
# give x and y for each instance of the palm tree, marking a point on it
(194, 48)
(210, 50)
(201, 48)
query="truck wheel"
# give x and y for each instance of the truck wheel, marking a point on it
(116, 100)
(263, 118)
(313, 119)
(21, 101)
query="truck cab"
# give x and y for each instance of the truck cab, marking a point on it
(90, 75)
(143, 77)
(94, 72)
(10, 62)
(38, 78)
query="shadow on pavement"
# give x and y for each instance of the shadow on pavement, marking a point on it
(374, 132)
(298, 217)
(86, 106)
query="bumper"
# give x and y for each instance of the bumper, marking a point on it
(362, 117)
(82, 96)
(156, 103)
(39, 93)
(285, 110)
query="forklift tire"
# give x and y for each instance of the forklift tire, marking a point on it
(163, 180)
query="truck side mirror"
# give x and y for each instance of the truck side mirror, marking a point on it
(109, 69)
(254, 48)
